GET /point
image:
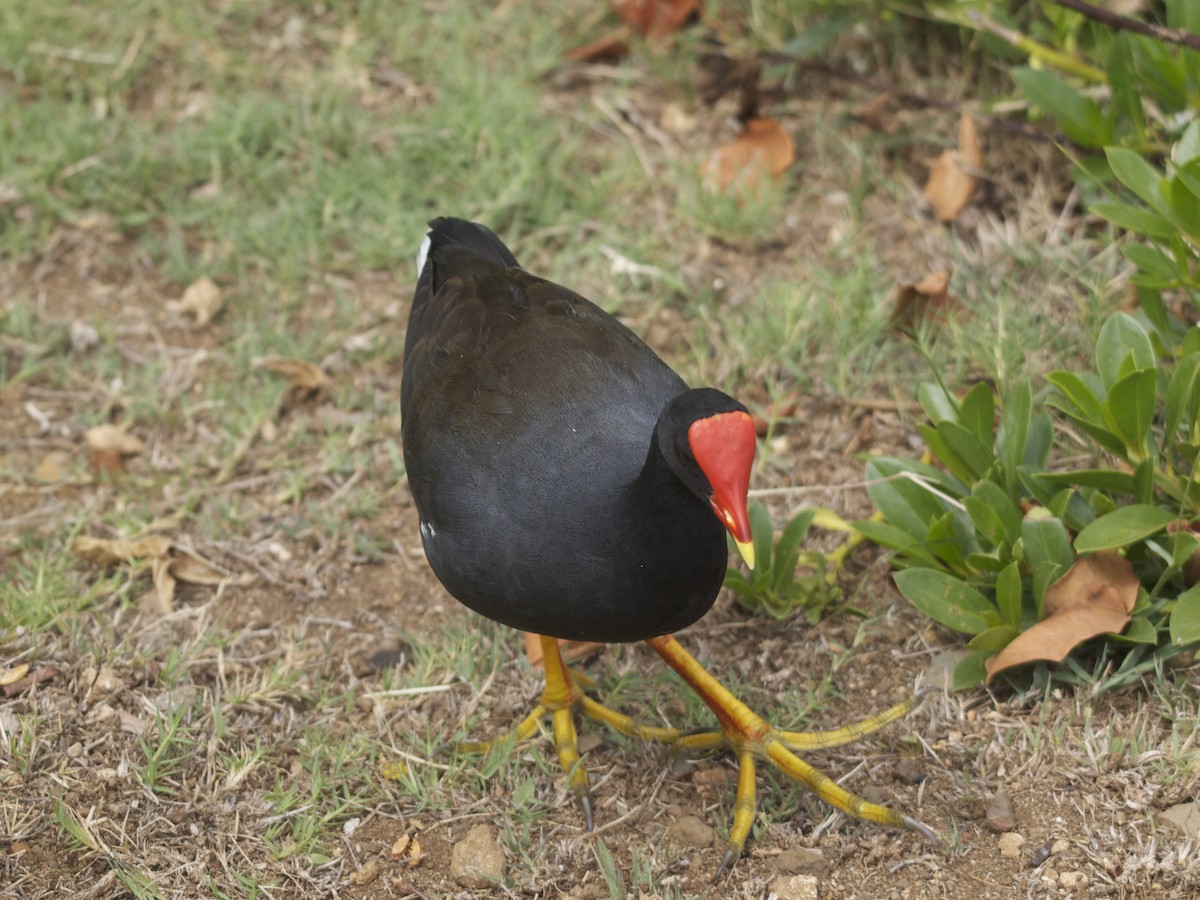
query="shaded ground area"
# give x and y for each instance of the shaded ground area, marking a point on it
(232, 741)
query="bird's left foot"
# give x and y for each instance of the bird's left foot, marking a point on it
(559, 700)
(748, 737)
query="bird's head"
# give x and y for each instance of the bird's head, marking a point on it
(715, 435)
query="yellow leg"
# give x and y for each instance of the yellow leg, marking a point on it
(750, 738)
(560, 696)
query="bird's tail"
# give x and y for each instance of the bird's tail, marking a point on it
(449, 239)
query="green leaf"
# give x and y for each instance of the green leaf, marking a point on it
(977, 457)
(945, 454)
(897, 539)
(762, 533)
(986, 520)
(1099, 479)
(1002, 505)
(937, 403)
(787, 549)
(1046, 541)
(970, 672)
(1008, 594)
(1014, 429)
(1151, 261)
(948, 544)
(1137, 219)
(1139, 176)
(1130, 406)
(994, 639)
(1122, 81)
(1084, 401)
(1099, 433)
(978, 413)
(945, 599)
(1183, 397)
(1140, 630)
(1185, 618)
(1188, 147)
(1122, 527)
(906, 503)
(1078, 116)
(1120, 336)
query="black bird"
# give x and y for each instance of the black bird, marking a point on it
(570, 484)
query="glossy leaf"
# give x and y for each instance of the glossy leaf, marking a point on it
(1185, 618)
(1183, 397)
(994, 639)
(1122, 527)
(1121, 336)
(978, 414)
(1008, 594)
(1130, 406)
(1078, 116)
(1004, 506)
(945, 599)
(1014, 427)
(1139, 176)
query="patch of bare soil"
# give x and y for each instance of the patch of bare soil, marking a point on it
(256, 661)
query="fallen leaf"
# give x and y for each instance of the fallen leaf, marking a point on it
(308, 381)
(762, 150)
(168, 565)
(53, 467)
(108, 553)
(951, 180)
(612, 47)
(655, 18)
(45, 673)
(401, 846)
(926, 301)
(15, 673)
(110, 446)
(201, 299)
(1094, 597)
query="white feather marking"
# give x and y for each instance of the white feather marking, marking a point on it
(423, 254)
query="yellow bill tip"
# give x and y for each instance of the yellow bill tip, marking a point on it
(746, 549)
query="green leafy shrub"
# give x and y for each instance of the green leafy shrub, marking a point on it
(785, 577)
(981, 539)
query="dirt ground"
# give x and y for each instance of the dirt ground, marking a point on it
(1088, 777)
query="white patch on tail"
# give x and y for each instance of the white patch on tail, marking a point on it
(423, 254)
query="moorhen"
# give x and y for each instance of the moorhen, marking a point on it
(568, 483)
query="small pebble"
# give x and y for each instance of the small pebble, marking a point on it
(690, 832)
(477, 861)
(795, 887)
(1010, 845)
(1060, 846)
(802, 861)
(999, 815)
(1072, 880)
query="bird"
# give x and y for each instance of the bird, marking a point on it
(570, 484)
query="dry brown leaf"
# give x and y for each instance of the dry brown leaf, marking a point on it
(108, 553)
(655, 18)
(201, 299)
(928, 300)
(16, 673)
(401, 846)
(52, 467)
(168, 565)
(612, 47)
(763, 150)
(109, 446)
(194, 569)
(1094, 597)
(308, 381)
(951, 181)
(44, 673)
